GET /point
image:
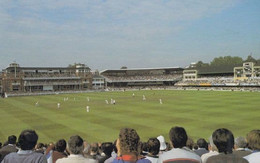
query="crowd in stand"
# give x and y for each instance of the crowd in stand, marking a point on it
(221, 81)
(42, 75)
(57, 82)
(128, 148)
(145, 77)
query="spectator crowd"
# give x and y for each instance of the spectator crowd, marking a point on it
(221, 147)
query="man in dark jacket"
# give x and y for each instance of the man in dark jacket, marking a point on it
(9, 148)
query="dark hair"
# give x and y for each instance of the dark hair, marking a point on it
(107, 148)
(27, 139)
(202, 143)
(114, 144)
(39, 145)
(129, 141)
(75, 144)
(224, 140)
(178, 137)
(60, 146)
(190, 143)
(143, 148)
(94, 147)
(12, 139)
(253, 139)
(153, 146)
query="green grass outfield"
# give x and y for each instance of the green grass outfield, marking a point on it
(200, 112)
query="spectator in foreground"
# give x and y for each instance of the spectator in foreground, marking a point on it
(224, 140)
(57, 151)
(128, 146)
(27, 141)
(94, 151)
(202, 147)
(75, 148)
(240, 147)
(113, 154)
(213, 150)
(40, 148)
(163, 146)
(9, 148)
(253, 139)
(107, 149)
(153, 147)
(190, 144)
(178, 138)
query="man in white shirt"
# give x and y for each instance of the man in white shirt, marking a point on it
(253, 139)
(178, 138)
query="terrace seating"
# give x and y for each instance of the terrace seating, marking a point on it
(144, 77)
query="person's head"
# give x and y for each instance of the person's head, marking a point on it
(107, 148)
(115, 147)
(202, 143)
(253, 139)
(153, 146)
(60, 145)
(94, 148)
(212, 146)
(162, 143)
(178, 137)
(75, 145)
(12, 139)
(240, 142)
(144, 148)
(27, 139)
(224, 140)
(128, 142)
(190, 143)
(39, 146)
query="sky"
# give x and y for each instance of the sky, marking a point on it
(109, 34)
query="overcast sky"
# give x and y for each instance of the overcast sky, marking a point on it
(109, 34)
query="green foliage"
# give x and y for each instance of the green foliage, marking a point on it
(227, 60)
(201, 64)
(251, 59)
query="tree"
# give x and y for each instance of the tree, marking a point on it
(227, 60)
(201, 64)
(250, 59)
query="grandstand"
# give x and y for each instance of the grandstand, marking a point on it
(247, 75)
(16, 79)
(142, 77)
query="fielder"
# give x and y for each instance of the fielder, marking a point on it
(160, 101)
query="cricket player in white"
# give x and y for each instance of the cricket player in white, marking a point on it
(144, 98)
(58, 105)
(87, 108)
(106, 101)
(160, 101)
